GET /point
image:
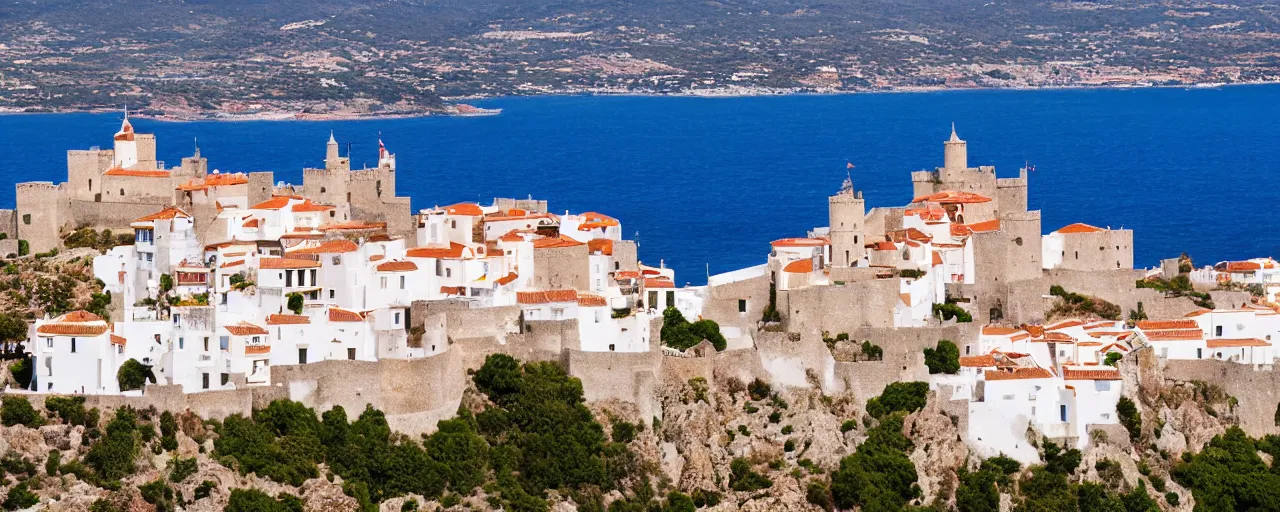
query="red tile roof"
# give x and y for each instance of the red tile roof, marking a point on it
(275, 203)
(601, 245)
(1174, 335)
(308, 206)
(215, 180)
(995, 330)
(137, 173)
(344, 315)
(555, 243)
(984, 227)
(79, 316)
(592, 220)
(937, 258)
(453, 251)
(803, 266)
(658, 283)
(119, 340)
(257, 349)
(909, 234)
(280, 263)
(982, 361)
(1079, 228)
(548, 296)
(233, 263)
(1239, 342)
(800, 242)
(953, 197)
(244, 329)
(287, 319)
(1073, 374)
(1017, 374)
(507, 279)
(594, 301)
(167, 213)
(327, 247)
(397, 266)
(469, 209)
(1167, 324)
(72, 329)
(353, 226)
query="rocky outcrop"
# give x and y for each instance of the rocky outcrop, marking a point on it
(939, 451)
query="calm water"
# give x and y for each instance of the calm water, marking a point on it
(710, 181)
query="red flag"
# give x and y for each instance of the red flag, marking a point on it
(848, 165)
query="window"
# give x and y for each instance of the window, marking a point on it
(330, 293)
(448, 272)
(453, 224)
(966, 349)
(288, 278)
(223, 342)
(1199, 353)
(122, 192)
(742, 305)
(671, 298)
(257, 340)
(73, 345)
(653, 299)
(119, 349)
(1062, 412)
(177, 319)
(48, 342)
(204, 381)
(611, 347)
(302, 278)
(1217, 331)
(26, 219)
(401, 282)
(384, 282)
(397, 322)
(302, 356)
(206, 343)
(181, 343)
(226, 377)
(313, 277)
(351, 354)
(1102, 385)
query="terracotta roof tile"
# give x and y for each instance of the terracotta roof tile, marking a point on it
(287, 319)
(137, 173)
(244, 329)
(996, 330)
(453, 251)
(233, 263)
(469, 209)
(257, 349)
(1091, 374)
(937, 258)
(1079, 228)
(985, 226)
(803, 266)
(283, 263)
(73, 329)
(397, 266)
(1167, 324)
(1174, 335)
(594, 301)
(909, 234)
(308, 206)
(354, 225)
(658, 283)
(1237, 342)
(593, 220)
(982, 361)
(79, 316)
(215, 180)
(119, 340)
(453, 290)
(800, 242)
(1017, 374)
(507, 279)
(953, 197)
(344, 315)
(275, 203)
(167, 213)
(600, 245)
(555, 243)
(327, 247)
(545, 297)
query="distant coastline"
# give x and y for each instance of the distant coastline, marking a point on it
(466, 110)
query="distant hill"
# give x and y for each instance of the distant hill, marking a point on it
(348, 56)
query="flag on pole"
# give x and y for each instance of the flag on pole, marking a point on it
(848, 165)
(382, 149)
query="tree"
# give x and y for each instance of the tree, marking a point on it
(943, 359)
(745, 479)
(680, 334)
(133, 375)
(166, 283)
(20, 497)
(899, 397)
(112, 458)
(295, 303)
(880, 475)
(12, 327)
(949, 311)
(22, 372)
(977, 491)
(253, 500)
(1113, 359)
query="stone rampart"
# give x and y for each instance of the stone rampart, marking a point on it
(1256, 387)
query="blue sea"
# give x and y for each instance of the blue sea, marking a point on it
(705, 184)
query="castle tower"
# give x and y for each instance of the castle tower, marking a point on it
(846, 211)
(126, 149)
(955, 153)
(331, 151)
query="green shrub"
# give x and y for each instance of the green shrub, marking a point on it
(70, 409)
(759, 389)
(949, 311)
(52, 463)
(943, 359)
(168, 431)
(789, 446)
(133, 375)
(703, 498)
(880, 474)
(1129, 416)
(1172, 498)
(112, 457)
(24, 248)
(977, 491)
(899, 396)
(786, 429)
(22, 372)
(253, 500)
(16, 410)
(166, 283)
(818, 494)
(775, 417)
(678, 333)
(848, 425)
(744, 479)
(1113, 359)
(295, 303)
(623, 432)
(182, 468)
(871, 351)
(20, 497)
(204, 489)
(679, 502)
(159, 494)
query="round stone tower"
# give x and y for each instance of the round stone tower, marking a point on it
(956, 153)
(331, 151)
(846, 210)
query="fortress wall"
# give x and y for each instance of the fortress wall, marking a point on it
(1012, 194)
(721, 304)
(115, 216)
(84, 172)
(841, 308)
(562, 268)
(625, 376)
(260, 187)
(9, 223)
(529, 205)
(42, 212)
(1118, 287)
(1103, 250)
(1257, 390)
(135, 189)
(625, 255)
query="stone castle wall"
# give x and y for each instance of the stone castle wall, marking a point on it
(1102, 250)
(840, 308)
(558, 268)
(1256, 388)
